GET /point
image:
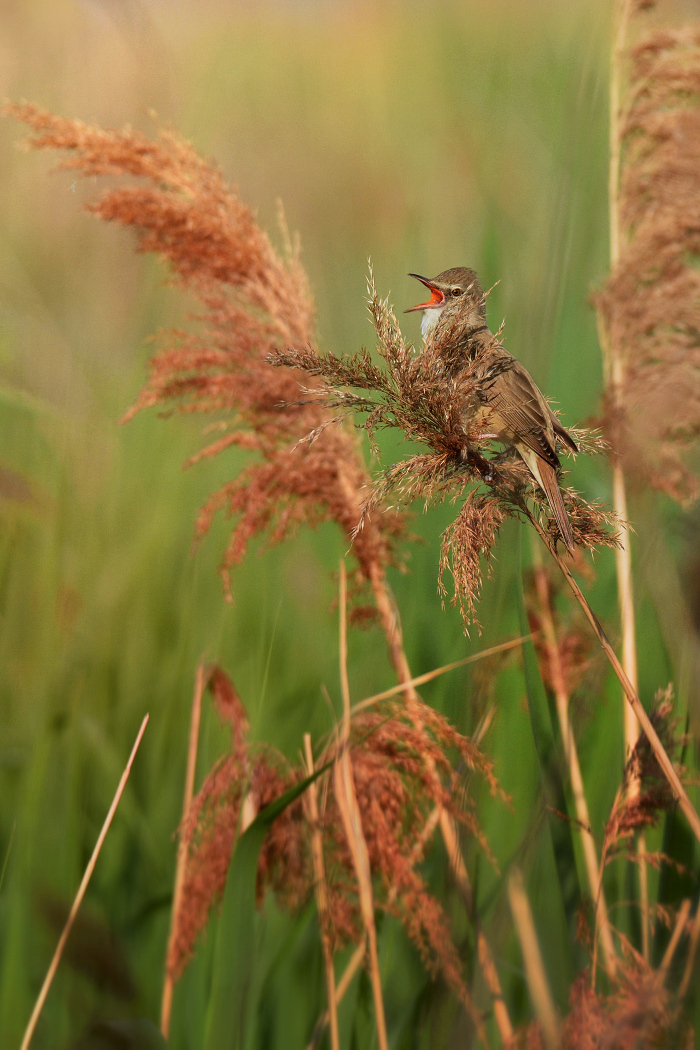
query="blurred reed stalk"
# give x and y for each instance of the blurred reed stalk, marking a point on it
(201, 680)
(562, 698)
(311, 798)
(53, 965)
(614, 372)
(350, 813)
(662, 757)
(535, 974)
(690, 960)
(678, 931)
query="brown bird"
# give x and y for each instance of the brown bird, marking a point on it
(517, 413)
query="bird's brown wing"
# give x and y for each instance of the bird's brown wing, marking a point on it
(514, 397)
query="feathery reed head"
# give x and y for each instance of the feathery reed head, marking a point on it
(401, 773)
(254, 301)
(650, 306)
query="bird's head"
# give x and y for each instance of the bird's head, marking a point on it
(452, 291)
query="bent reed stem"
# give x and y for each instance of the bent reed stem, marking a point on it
(53, 966)
(201, 680)
(662, 758)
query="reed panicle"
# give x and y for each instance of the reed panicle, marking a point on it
(400, 773)
(650, 305)
(254, 300)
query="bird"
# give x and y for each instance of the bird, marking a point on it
(516, 412)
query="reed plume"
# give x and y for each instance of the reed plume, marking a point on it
(253, 300)
(401, 774)
(649, 307)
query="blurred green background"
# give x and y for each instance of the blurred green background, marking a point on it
(423, 136)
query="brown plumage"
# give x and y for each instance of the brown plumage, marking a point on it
(515, 411)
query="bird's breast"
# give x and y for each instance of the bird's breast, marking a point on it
(428, 322)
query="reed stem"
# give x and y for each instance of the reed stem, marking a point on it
(201, 679)
(664, 761)
(561, 695)
(615, 377)
(53, 966)
(321, 894)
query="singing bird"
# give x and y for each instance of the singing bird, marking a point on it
(517, 413)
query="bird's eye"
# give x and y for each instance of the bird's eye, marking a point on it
(456, 292)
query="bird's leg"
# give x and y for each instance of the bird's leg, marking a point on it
(504, 456)
(478, 462)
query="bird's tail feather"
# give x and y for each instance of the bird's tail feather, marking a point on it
(546, 475)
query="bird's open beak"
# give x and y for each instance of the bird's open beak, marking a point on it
(436, 298)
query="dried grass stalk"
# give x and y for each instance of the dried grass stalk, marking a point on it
(652, 737)
(201, 680)
(558, 679)
(321, 895)
(352, 822)
(532, 959)
(53, 965)
(253, 301)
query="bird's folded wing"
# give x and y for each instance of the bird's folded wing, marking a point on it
(516, 399)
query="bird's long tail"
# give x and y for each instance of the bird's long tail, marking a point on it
(546, 475)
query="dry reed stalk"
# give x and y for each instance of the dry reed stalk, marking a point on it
(664, 761)
(690, 960)
(200, 683)
(350, 813)
(678, 930)
(321, 895)
(428, 676)
(53, 966)
(615, 376)
(532, 960)
(561, 695)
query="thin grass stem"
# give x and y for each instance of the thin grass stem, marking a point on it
(447, 826)
(664, 761)
(428, 676)
(53, 965)
(201, 680)
(690, 960)
(350, 813)
(535, 975)
(321, 894)
(678, 929)
(615, 376)
(561, 695)
(448, 829)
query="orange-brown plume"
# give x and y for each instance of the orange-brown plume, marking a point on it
(650, 305)
(254, 301)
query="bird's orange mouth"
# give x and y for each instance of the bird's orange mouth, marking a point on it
(437, 298)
